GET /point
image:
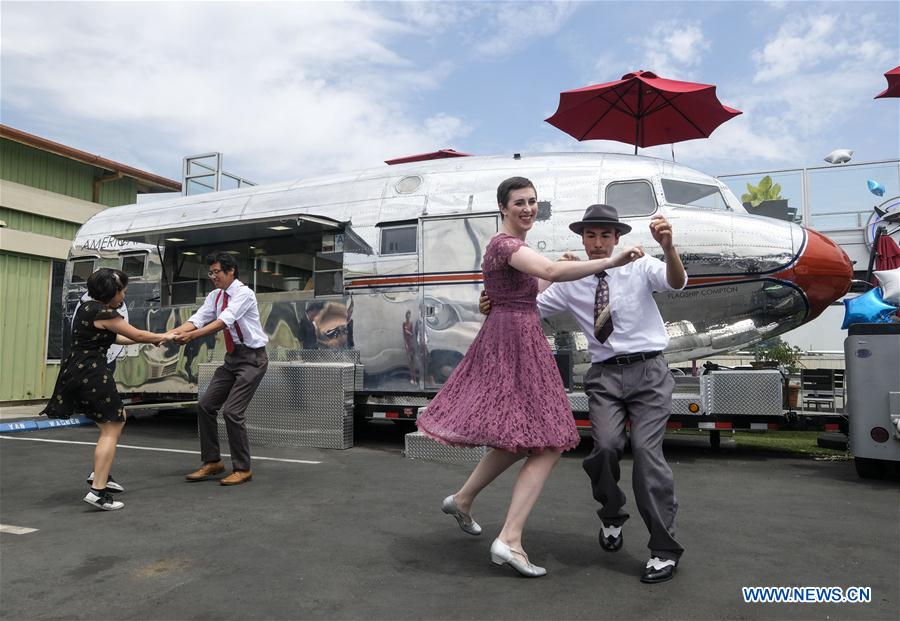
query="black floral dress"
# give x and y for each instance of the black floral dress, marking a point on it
(85, 384)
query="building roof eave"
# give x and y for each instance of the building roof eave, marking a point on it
(146, 182)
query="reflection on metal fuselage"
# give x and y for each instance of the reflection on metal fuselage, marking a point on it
(413, 315)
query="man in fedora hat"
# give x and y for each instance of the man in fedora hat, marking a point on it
(628, 379)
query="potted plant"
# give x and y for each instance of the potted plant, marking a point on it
(764, 199)
(775, 353)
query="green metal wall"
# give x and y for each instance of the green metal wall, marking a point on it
(119, 192)
(41, 225)
(47, 171)
(25, 280)
(24, 289)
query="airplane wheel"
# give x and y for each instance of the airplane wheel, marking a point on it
(869, 468)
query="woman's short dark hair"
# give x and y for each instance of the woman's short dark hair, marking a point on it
(226, 261)
(513, 183)
(105, 283)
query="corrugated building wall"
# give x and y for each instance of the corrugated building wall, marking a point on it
(33, 223)
(24, 297)
(25, 279)
(54, 173)
(24, 311)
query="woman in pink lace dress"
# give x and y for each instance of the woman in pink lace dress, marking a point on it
(506, 392)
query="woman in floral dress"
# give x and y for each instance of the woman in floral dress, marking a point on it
(506, 393)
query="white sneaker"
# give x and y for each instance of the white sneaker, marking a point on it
(103, 501)
(111, 484)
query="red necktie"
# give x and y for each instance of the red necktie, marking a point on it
(229, 342)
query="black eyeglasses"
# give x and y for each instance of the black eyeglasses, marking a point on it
(335, 332)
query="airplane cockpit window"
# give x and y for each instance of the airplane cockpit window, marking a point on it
(133, 264)
(631, 198)
(398, 239)
(700, 195)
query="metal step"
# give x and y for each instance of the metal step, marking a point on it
(298, 404)
(420, 446)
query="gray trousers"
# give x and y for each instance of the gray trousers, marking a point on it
(229, 392)
(641, 392)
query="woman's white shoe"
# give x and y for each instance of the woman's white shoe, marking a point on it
(465, 521)
(518, 560)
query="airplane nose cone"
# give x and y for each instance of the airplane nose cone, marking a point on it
(823, 271)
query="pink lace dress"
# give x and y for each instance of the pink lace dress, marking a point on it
(506, 392)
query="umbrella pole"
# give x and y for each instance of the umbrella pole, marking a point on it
(637, 123)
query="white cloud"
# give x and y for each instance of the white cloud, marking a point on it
(810, 75)
(735, 145)
(284, 90)
(673, 47)
(514, 25)
(820, 41)
(800, 42)
(493, 29)
(437, 16)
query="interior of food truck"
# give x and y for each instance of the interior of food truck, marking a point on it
(301, 256)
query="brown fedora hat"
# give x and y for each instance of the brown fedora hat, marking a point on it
(600, 215)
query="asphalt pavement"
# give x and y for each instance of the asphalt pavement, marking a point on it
(360, 535)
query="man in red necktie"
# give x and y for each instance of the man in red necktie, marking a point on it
(230, 307)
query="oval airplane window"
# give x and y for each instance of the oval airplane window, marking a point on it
(631, 198)
(408, 184)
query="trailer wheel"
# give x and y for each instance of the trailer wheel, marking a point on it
(869, 468)
(715, 439)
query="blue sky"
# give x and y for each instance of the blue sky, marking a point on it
(290, 90)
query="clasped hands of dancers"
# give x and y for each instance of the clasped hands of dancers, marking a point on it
(507, 393)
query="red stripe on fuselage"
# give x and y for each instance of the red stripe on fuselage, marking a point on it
(415, 279)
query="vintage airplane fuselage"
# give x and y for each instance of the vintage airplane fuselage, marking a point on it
(388, 262)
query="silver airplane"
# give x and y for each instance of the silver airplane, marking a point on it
(387, 262)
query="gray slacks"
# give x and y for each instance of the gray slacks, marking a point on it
(229, 392)
(641, 392)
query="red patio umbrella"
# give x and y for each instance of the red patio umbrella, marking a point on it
(888, 257)
(893, 79)
(434, 155)
(641, 109)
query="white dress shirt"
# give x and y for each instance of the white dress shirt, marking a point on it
(241, 310)
(637, 324)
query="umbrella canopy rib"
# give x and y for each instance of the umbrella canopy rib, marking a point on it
(613, 105)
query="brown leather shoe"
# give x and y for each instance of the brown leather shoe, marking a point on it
(206, 471)
(237, 477)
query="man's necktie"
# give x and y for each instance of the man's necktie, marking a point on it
(603, 324)
(229, 342)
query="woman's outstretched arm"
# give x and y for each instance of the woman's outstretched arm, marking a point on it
(527, 260)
